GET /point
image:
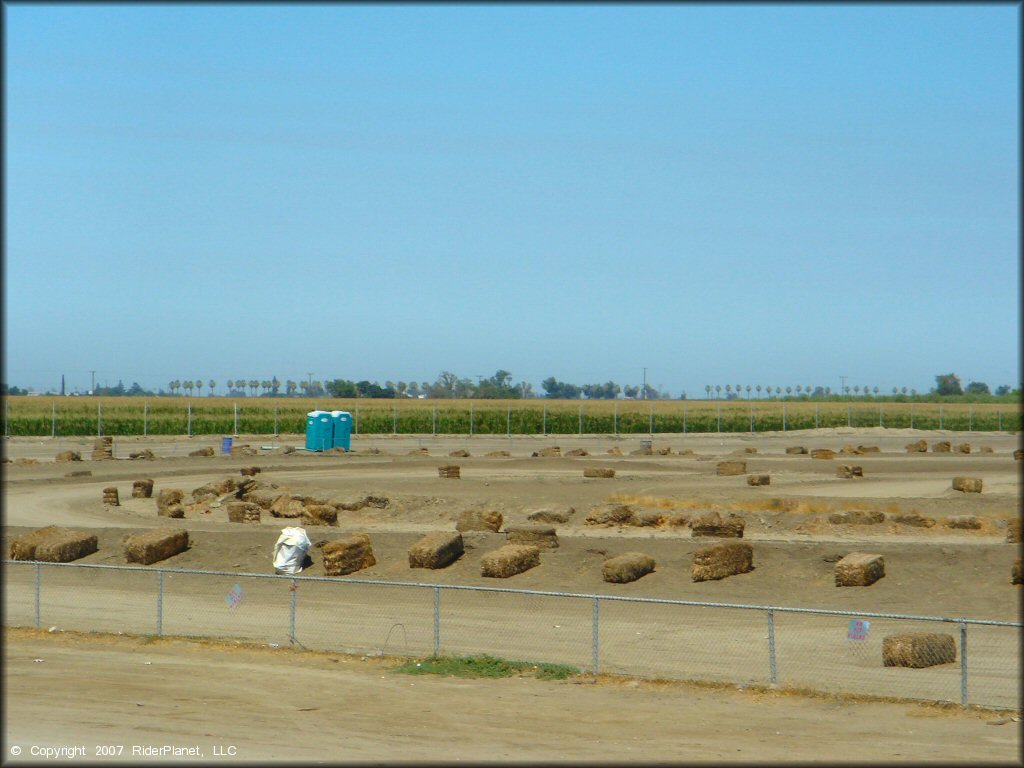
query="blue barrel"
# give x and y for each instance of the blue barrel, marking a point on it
(225, 445)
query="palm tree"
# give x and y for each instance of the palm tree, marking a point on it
(212, 384)
(895, 390)
(707, 388)
(828, 391)
(718, 390)
(199, 386)
(856, 389)
(748, 391)
(231, 385)
(758, 388)
(799, 389)
(290, 387)
(728, 389)
(875, 390)
(254, 384)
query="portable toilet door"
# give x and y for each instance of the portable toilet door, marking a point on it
(342, 429)
(319, 431)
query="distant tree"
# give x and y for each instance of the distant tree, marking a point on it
(199, 386)
(632, 391)
(275, 386)
(875, 390)
(758, 388)
(341, 388)
(401, 387)
(728, 390)
(977, 388)
(789, 391)
(748, 391)
(253, 386)
(707, 388)
(718, 391)
(290, 387)
(230, 385)
(828, 391)
(799, 389)
(948, 384)
(895, 390)
(1003, 389)
(856, 389)
(212, 384)
(903, 390)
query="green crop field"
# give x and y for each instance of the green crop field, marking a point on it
(80, 416)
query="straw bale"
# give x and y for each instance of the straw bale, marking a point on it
(962, 447)
(167, 498)
(920, 446)
(80, 473)
(65, 546)
(1015, 573)
(202, 452)
(249, 471)
(263, 497)
(609, 514)
(227, 485)
(319, 514)
(377, 502)
(1013, 531)
(23, 462)
(449, 470)
(551, 516)
(204, 492)
(1018, 454)
(721, 560)
(287, 505)
(759, 479)
(497, 454)
(986, 449)
(687, 452)
(461, 453)
(856, 517)
(243, 512)
(104, 441)
(793, 449)
(627, 567)
(849, 471)
(348, 555)
(726, 468)
(615, 451)
(868, 449)
(242, 487)
(24, 547)
(914, 519)
(509, 560)
(174, 510)
(750, 449)
(598, 472)
(553, 450)
(859, 569)
(68, 456)
(967, 484)
(144, 454)
(539, 536)
(438, 549)
(647, 518)
(823, 453)
(667, 451)
(643, 451)
(110, 496)
(155, 545)
(963, 522)
(142, 489)
(848, 449)
(419, 452)
(677, 519)
(942, 446)
(918, 649)
(713, 524)
(578, 452)
(475, 520)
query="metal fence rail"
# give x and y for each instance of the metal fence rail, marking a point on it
(825, 650)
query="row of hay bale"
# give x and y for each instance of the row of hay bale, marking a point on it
(54, 544)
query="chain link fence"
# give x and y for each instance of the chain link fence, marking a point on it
(967, 661)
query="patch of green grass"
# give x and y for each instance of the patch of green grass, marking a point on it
(485, 666)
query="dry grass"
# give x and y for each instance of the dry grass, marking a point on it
(795, 506)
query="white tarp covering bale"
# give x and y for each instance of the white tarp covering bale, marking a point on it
(290, 551)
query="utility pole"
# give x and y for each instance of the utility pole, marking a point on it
(644, 390)
(92, 387)
(309, 379)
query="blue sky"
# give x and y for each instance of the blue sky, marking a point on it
(721, 194)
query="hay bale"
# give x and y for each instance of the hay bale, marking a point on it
(474, 520)
(918, 650)
(677, 520)
(449, 470)
(168, 497)
(550, 516)
(319, 514)
(241, 488)
(202, 452)
(1018, 454)
(848, 449)
(65, 546)
(962, 448)
(553, 450)
(645, 450)
(155, 545)
(986, 449)
(719, 561)
(848, 471)
(377, 502)
(24, 547)
(461, 453)
(288, 506)
(713, 524)
(110, 497)
(263, 497)
(205, 492)
(243, 512)
(942, 446)
(868, 449)
(796, 449)
(598, 472)
(920, 446)
(914, 519)
(142, 489)
(68, 456)
(497, 454)
(750, 449)
(759, 479)
(823, 453)
(967, 484)
(609, 514)
(1015, 573)
(538, 536)
(627, 567)
(418, 452)
(509, 560)
(856, 517)
(80, 473)
(647, 518)
(23, 462)
(174, 510)
(727, 468)
(144, 454)
(615, 451)
(249, 471)
(578, 452)
(436, 550)
(859, 569)
(963, 522)
(687, 452)
(348, 555)
(1013, 531)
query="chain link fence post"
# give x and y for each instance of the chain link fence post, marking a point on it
(275, 420)
(435, 421)
(597, 625)
(145, 418)
(291, 626)
(53, 420)
(771, 648)
(544, 423)
(7, 418)
(190, 418)
(963, 664)
(38, 579)
(236, 418)
(160, 603)
(99, 419)
(437, 621)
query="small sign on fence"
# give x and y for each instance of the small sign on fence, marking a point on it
(234, 597)
(859, 629)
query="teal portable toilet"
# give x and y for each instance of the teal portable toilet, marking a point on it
(342, 429)
(319, 430)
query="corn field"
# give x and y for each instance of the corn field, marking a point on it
(82, 416)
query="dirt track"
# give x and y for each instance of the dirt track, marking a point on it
(934, 571)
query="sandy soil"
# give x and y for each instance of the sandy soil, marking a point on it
(930, 571)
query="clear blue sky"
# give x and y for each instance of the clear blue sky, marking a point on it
(723, 194)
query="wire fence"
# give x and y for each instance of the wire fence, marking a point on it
(966, 661)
